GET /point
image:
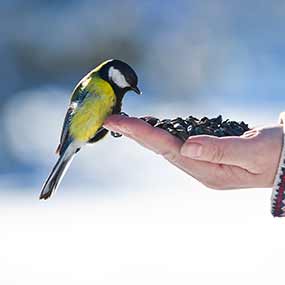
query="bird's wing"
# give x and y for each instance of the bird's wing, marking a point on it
(77, 98)
(64, 137)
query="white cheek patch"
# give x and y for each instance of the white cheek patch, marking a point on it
(117, 77)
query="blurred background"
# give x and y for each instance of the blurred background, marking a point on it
(123, 215)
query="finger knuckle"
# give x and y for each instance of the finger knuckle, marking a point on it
(170, 156)
(217, 181)
(217, 154)
(215, 185)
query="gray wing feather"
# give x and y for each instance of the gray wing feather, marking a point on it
(65, 138)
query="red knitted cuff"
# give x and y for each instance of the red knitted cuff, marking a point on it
(278, 193)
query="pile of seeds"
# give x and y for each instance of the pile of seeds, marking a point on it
(191, 126)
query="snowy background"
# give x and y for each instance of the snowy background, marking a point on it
(122, 214)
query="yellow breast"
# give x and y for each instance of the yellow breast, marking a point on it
(91, 114)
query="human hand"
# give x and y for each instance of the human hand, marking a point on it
(248, 161)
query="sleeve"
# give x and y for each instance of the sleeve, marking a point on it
(278, 193)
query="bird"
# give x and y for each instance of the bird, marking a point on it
(96, 96)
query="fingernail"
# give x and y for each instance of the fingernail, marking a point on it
(192, 150)
(123, 130)
(116, 128)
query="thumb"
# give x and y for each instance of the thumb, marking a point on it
(226, 150)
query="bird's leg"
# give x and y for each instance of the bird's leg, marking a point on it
(124, 114)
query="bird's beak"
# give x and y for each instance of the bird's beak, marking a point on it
(137, 90)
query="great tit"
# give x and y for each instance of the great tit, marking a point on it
(97, 95)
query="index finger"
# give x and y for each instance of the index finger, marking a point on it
(158, 140)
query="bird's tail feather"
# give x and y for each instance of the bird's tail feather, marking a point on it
(56, 174)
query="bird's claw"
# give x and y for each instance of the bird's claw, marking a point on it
(116, 135)
(124, 114)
